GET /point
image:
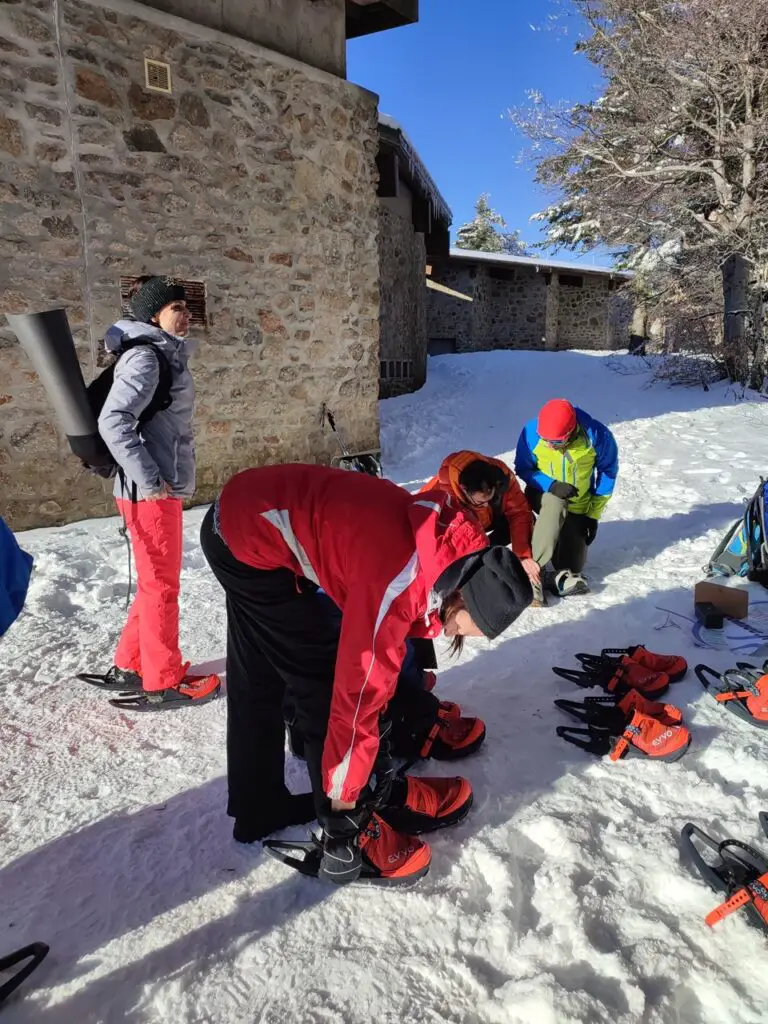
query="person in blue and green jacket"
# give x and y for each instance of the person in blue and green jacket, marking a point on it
(569, 463)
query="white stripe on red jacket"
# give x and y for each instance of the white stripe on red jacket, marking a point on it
(377, 551)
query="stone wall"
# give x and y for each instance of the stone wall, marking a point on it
(509, 312)
(621, 311)
(402, 317)
(515, 306)
(583, 314)
(257, 177)
(448, 317)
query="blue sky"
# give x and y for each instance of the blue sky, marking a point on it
(449, 81)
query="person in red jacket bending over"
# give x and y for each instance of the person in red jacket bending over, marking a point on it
(397, 566)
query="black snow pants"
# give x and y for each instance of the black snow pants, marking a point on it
(282, 639)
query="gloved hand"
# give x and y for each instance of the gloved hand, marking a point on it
(590, 529)
(342, 860)
(560, 489)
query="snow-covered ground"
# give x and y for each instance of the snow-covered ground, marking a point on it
(561, 899)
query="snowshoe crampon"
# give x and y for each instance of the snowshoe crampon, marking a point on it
(631, 726)
(34, 954)
(671, 665)
(618, 679)
(742, 690)
(733, 868)
(192, 691)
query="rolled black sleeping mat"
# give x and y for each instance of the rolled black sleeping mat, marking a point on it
(47, 340)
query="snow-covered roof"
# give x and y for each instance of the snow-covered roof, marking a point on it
(417, 170)
(472, 256)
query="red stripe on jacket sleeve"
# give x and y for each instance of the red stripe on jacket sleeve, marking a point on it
(371, 652)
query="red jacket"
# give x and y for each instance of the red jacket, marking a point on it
(514, 506)
(377, 551)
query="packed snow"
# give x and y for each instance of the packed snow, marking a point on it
(562, 899)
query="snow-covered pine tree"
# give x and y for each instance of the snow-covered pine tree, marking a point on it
(481, 235)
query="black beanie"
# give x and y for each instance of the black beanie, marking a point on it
(153, 295)
(497, 591)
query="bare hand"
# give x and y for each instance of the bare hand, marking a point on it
(164, 492)
(532, 569)
(342, 805)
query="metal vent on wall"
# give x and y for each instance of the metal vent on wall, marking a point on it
(196, 300)
(157, 75)
(395, 369)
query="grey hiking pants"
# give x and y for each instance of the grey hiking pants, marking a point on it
(559, 535)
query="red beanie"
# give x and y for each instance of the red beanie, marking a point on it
(557, 420)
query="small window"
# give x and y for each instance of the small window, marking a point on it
(572, 280)
(196, 300)
(157, 76)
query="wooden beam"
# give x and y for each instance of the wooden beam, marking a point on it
(435, 286)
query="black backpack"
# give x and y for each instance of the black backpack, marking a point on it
(91, 449)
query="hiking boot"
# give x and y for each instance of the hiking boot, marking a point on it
(453, 736)
(296, 809)
(424, 805)
(390, 855)
(570, 584)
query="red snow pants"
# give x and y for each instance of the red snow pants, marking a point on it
(149, 643)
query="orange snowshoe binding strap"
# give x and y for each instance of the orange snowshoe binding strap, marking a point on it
(672, 665)
(618, 679)
(631, 726)
(742, 690)
(733, 868)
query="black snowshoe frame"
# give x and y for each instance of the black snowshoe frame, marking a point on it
(738, 868)
(732, 681)
(103, 682)
(132, 700)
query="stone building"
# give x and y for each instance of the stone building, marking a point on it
(219, 142)
(414, 222)
(478, 301)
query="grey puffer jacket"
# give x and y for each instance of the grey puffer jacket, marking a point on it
(165, 448)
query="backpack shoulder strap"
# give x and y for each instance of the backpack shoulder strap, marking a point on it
(161, 399)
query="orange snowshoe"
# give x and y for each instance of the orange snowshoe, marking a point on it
(738, 870)
(618, 679)
(630, 726)
(388, 857)
(742, 690)
(671, 665)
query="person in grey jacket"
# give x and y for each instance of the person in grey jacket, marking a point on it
(156, 470)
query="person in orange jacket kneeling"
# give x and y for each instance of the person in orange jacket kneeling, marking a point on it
(488, 488)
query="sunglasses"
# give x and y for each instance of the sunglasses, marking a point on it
(478, 504)
(559, 444)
